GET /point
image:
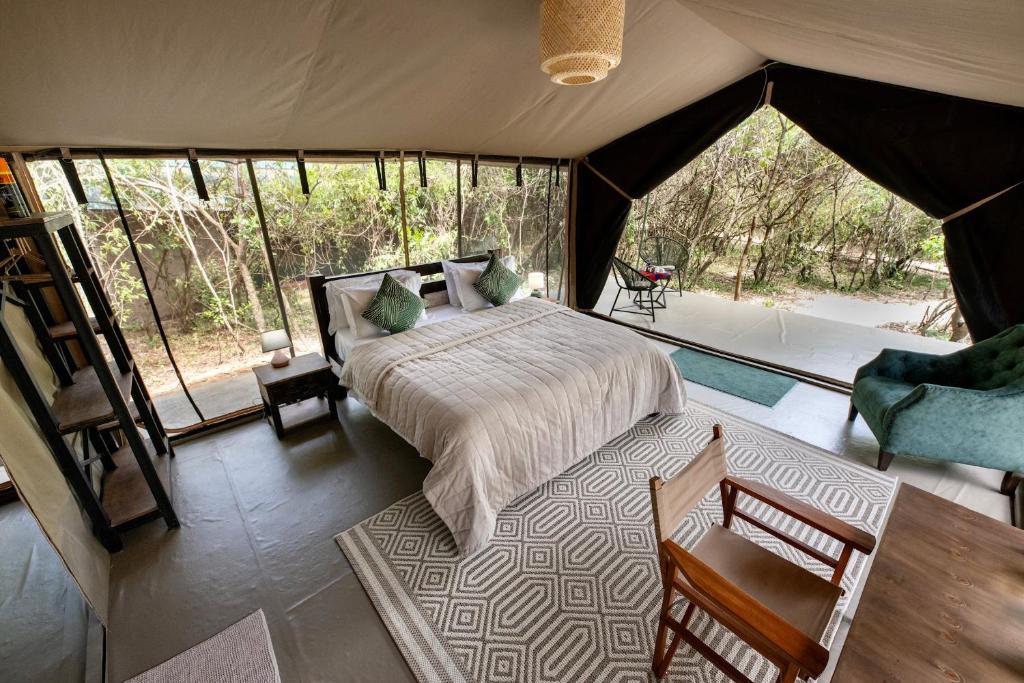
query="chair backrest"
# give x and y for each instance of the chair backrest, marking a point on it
(671, 500)
(628, 276)
(995, 362)
(658, 250)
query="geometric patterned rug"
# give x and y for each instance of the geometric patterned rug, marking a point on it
(568, 588)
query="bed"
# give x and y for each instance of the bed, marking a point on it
(504, 399)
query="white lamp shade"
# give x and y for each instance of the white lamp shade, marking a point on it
(535, 280)
(274, 340)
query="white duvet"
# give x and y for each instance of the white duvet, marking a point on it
(505, 399)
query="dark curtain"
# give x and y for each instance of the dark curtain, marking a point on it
(639, 162)
(984, 249)
(939, 152)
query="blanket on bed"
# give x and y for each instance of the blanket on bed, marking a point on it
(505, 399)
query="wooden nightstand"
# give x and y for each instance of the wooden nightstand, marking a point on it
(306, 376)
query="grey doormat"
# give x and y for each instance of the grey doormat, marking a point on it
(745, 381)
(241, 653)
(568, 589)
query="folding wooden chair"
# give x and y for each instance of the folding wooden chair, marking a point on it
(778, 608)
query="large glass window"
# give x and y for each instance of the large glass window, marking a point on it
(347, 224)
(104, 236)
(210, 273)
(499, 214)
(432, 211)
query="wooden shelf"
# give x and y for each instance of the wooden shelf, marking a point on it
(83, 404)
(35, 224)
(40, 279)
(66, 330)
(126, 496)
(114, 424)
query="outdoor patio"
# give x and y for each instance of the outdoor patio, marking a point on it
(817, 345)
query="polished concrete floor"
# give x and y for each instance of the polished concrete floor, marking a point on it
(259, 515)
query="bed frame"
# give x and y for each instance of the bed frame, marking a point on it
(318, 293)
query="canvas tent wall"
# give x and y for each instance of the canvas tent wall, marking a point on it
(40, 484)
(449, 74)
(463, 77)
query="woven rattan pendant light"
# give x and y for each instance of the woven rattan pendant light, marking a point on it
(580, 40)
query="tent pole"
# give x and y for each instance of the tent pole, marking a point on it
(145, 286)
(458, 204)
(270, 254)
(570, 235)
(547, 237)
(643, 229)
(401, 198)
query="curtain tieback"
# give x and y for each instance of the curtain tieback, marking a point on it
(605, 178)
(980, 202)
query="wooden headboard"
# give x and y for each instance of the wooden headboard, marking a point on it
(318, 293)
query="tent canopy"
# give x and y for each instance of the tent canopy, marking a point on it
(448, 75)
(461, 76)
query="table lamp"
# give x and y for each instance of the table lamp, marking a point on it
(535, 281)
(277, 341)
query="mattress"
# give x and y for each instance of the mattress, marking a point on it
(504, 399)
(345, 340)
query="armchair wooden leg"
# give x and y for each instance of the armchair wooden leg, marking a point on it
(884, 459)
(1011, 480)
(853, 411)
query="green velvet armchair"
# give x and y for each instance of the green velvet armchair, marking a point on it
(965, 407)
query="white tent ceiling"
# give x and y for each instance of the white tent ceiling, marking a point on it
(970, 48)
(447, 75)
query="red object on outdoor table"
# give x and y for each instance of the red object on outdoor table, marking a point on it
(653, 276)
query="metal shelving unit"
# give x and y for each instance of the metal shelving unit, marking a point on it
(104, 400)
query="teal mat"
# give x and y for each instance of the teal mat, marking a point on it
(753, 384)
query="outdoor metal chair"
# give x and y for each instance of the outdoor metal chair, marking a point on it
(670, 254)
(642, 289)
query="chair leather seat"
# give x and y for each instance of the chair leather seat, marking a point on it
(799, 596)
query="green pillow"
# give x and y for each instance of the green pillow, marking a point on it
(498, 282)
(394, 307)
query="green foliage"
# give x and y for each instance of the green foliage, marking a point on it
(803, 214)
(206, 261)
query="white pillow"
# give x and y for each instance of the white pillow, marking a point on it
(451, 268)
(355, 300)
(465, 278)
(336, 316)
